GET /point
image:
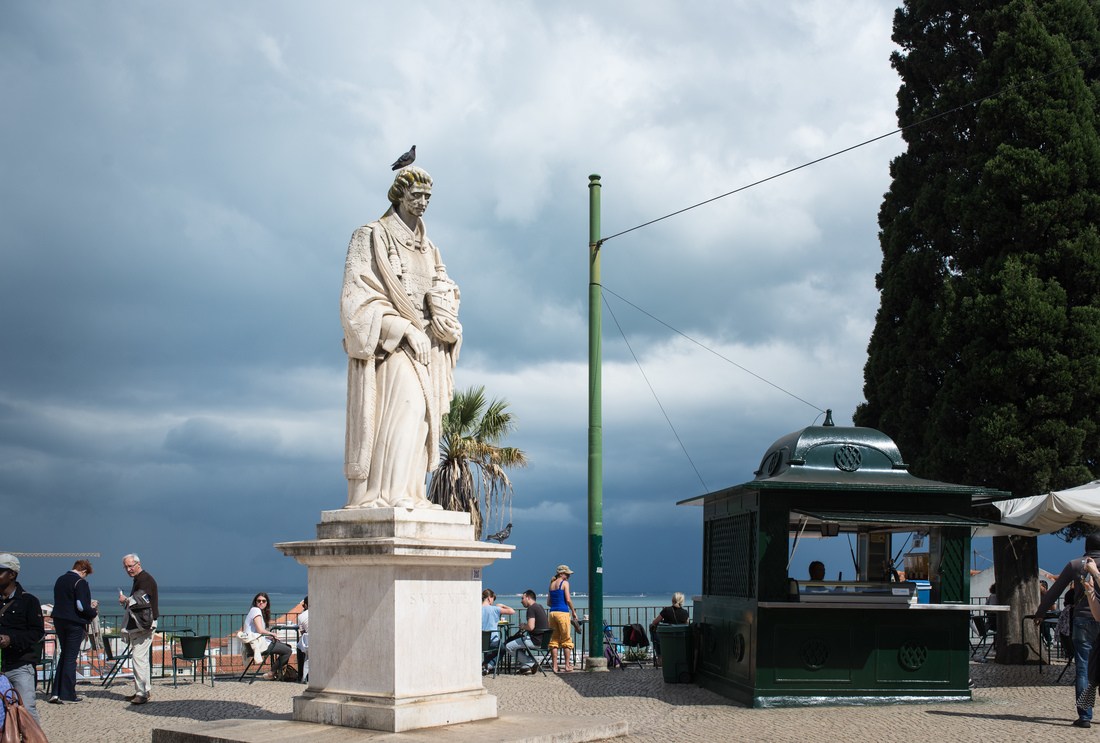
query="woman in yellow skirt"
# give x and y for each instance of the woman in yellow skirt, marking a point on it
(561, 615)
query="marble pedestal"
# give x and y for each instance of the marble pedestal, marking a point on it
(394, 619)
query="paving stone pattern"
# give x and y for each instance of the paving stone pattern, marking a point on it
(1011, 703)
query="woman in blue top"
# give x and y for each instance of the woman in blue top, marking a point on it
(490, 622)
(561, 615)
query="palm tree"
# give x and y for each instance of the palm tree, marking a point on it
(470, 439)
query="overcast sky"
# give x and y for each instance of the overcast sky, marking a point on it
(180, 181)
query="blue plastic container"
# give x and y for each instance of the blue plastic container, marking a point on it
(924, 591)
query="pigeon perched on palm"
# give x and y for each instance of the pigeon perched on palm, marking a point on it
(501, 535)
(405, 160)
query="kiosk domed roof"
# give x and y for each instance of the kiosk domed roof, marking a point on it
(832, 448)
(829, 457)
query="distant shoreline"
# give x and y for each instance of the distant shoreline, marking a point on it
(224, 600)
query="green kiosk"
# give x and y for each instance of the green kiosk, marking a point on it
(765, 637)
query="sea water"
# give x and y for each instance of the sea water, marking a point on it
(215, 600)
(189, 600)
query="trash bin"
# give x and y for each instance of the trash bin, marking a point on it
(677, 652)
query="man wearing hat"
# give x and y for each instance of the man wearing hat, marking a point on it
(21, 631)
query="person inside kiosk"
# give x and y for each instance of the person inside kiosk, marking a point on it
(872, 542)
(817, 570)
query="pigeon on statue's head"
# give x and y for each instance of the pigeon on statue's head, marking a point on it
(405, 160)
(501, 535)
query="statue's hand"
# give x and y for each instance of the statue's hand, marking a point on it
(418, 344)
(446, 329)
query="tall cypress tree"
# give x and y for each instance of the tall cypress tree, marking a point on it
(984, 364)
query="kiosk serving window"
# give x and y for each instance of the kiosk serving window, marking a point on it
(880, 540)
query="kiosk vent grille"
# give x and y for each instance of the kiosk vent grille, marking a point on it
(729, 546)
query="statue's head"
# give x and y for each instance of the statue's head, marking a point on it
(408, 179)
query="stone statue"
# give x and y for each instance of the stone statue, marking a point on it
(402, 336)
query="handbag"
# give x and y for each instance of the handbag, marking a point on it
(19, 725)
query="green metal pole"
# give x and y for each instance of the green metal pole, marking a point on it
(595, 428)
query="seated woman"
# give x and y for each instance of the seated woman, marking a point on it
(675, 614)
(259, 616)
(490, 622)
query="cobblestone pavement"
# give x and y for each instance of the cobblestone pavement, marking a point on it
(1011, 703)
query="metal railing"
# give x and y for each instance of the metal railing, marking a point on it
(225, 647)
(617, 616)
(98, 656)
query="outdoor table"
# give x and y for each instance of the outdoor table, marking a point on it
(287, 627)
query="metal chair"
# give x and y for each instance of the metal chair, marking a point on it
(611, 646)
(302, 654)
(194, 651)
(1070, 653)
(540, 646)
(265, 660)
(118, 661)
(986, 635)
(636, 646)
(48, 661)
(491, 652)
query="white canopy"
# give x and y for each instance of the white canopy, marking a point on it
(1048, 513)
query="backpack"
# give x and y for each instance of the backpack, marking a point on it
(634, 635)
(19, 726)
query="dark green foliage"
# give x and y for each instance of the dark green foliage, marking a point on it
(984, 364)
(472, 472)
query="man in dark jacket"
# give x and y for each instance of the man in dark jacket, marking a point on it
(21, 631)
(141, 621)
(73, 608)
(1085, 628)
